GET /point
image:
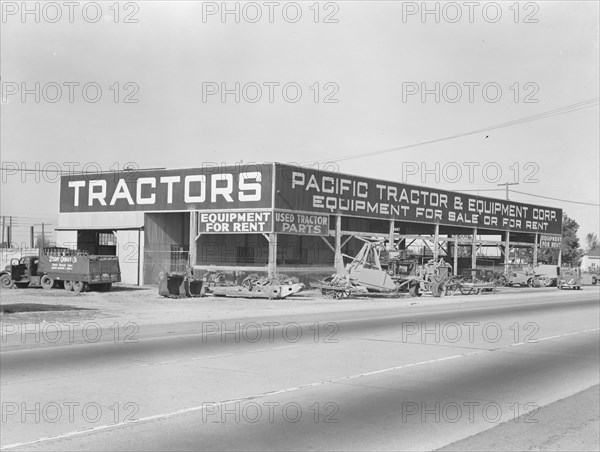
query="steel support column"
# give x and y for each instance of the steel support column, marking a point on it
(474, 249)
(507, 247)
(535, 250)
(272, 266)
(193, 234)
(391, 235)
(455, 252)
(338, 260)
(436, 238)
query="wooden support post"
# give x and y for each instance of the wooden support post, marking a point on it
(474, 249)
(436, 238)
(272, 266)
(391, 235)
(535, 251)
(338, 258)
(507, 247)
(193, 233)
(559, 258)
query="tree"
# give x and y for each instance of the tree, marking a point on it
(591, 241)
(570, 243)
(41, 244)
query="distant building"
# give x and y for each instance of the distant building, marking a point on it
(591, 260)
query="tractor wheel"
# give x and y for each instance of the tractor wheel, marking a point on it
(438, 289)
(329, 293)
(6, 281)
(46, 282)
(79, 286)
(68, 286)
(502, 280)
(414, 291)
(466, 290)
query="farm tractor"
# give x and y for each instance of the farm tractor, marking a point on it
(376, 269)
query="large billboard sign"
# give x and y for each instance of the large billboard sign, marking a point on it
(309, 190)
(239, 187)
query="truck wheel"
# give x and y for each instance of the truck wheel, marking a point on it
(6, 281)
(68, 286)
(79, 286)
(46, 282)
(108, 286)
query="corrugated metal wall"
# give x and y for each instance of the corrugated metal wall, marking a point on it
(166, 243)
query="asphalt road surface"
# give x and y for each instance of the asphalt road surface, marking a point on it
(377, 379)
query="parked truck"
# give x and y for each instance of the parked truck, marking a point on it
(61, 267)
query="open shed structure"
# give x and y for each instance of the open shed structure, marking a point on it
(281, 218)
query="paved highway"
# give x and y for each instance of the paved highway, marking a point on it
(379, 379)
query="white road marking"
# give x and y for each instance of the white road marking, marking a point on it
(276, 392)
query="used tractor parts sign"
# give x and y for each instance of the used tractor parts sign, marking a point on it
(304, 224)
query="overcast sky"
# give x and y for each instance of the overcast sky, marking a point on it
(360, 66)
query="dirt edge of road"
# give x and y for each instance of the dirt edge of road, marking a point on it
(568, 424)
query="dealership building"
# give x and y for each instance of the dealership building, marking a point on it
(279, 218)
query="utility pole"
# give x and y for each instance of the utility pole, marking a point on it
(506, 184)
(43, 238)
(9, 233)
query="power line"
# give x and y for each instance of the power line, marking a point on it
(556, 199)
(558, 111)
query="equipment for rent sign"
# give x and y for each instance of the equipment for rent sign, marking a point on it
(234, 222)
(550, 241)
(324, 192)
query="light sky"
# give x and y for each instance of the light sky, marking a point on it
(372, 55)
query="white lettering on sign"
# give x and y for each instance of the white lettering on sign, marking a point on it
(121, 192)
(188, 181)
(145, 181)
(228, 222)
(197, 188)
